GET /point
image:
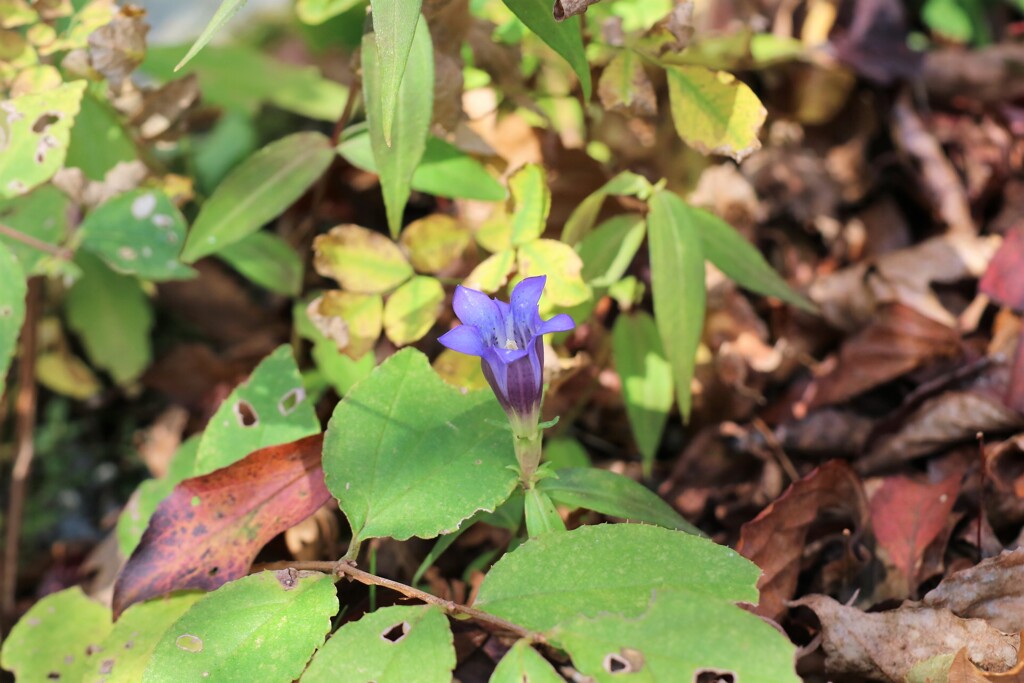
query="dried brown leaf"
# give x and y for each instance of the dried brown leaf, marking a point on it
(992, 590)
(964, 671)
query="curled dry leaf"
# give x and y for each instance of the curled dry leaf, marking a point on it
(964, 671)
(117, 48)
(776, 538)
(992, 590)
(866, 644)
(209, 530)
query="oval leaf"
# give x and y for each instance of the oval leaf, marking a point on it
(434, 243)
(413, 309)
(360, 260)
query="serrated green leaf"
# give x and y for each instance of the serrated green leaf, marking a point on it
(267, 260)
(584, 216)
(532, 201)
(608, 251)
(257, 191)
(562, 265)
(227, 9)
(124, 653)
(523, 664)
(741, 261)
(391, 645)
(680, 637)
(646, 377)
(13, 289)
(138, 233)
(565, 37)
(56, 639)
(394, 24)
(41, 214)
(408, 455)
(316, 12)
(397, 155)
(112, 316)
(413, 309)
(267, 409)
(610, 569)
(541, 515)
(263, 627)
(444, 171)
(714, 112)
(612, 494)
(360, 260)
(677, 282)
(37, 129)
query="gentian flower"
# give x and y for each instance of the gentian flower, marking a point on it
(507, 338)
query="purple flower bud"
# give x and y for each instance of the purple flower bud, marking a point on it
(507, 337)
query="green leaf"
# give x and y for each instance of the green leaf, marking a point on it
(561, 264)
(56, 639)
(564, 452)
(413, 309)
(227, 9)
(360, 260)
(523, 664)
(407, 455)
(391, 645)
(610, 569)
(714, 112)
(263, 627)
(267, 260)
(37, 128)
(435, 242)
(444, 171)
(230, 142)
(646, 377)
(98, 140)
(13, 289)
(541, 515)
(112, 316)
(349, 321)
(41, 214)
(125, 652)
(741, 261)
(138, 233)
(677, 282)
(257, 191)
(394, 25)
(242, 78)
(565, 37)
(680, 637)
(316, 12)
(532, 201)
(584, 216)
(608, 251)
(612, 494)
(268, 409)
(341, 371)
(397, 155)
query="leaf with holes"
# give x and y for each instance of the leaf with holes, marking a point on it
(208, 531)
(361, 260)
(269, 408)
(57, 638)
(257, 191)
(523, 664)
(13, 289)
(267, 260)
(263, 627)
(564, 37)
(139, 232)
(408, 455)
(610, 569)
(391, 645)
(413, 309)
(680, 637)
(36, 131)
(397, 154)
(124, 653)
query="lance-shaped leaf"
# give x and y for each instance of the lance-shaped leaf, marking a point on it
(12, 306)
(208, 531)
(227, 9)
(408, 455)
(394, 25)
(677, 281)
(584, 216)
(565, 37)
(398, 155)
(267, 260)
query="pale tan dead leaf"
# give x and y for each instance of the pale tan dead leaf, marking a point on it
(158, 442)
(992, 590)
(724, 191)
(163, 108)
(964, 671)
(125, 176)
(887, 645)
(117, 48)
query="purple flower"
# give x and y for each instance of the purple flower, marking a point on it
(507, 337)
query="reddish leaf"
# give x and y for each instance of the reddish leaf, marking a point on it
(1004, 278)
(907, 516)
(775, 539)
(209, 530)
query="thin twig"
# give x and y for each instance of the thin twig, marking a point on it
(28, 240)
(350, 571)
(24, 429)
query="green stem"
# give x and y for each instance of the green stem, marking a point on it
(528, 453)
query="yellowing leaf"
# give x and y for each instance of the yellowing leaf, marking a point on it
(362, 315)
(532, 203)
(562, 265)
(492, 273)
(360, 260)
(413, 309)
(434, 242)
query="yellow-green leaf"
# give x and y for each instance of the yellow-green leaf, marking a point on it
(532, 201)
(434, 242)
(413, 309)
(361, 314)
(492, 273)
(360, 260)
(562, 265)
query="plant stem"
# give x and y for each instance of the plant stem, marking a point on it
(528, 454)
(28, 240)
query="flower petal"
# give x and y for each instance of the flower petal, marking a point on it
(477, 309)
(464, 339)
(560, 323)
(526, 296)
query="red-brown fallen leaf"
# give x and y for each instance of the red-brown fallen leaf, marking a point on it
(897, 341)
(775, 539)
(1004, 282)
(992, 590)
(209, 530)
(963, 670)
(906, 516)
